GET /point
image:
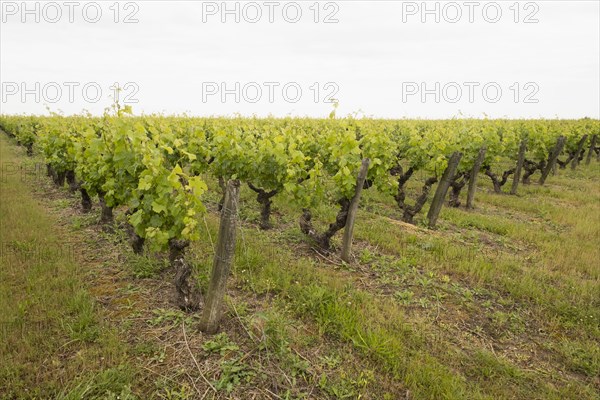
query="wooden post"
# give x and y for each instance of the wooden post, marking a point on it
(552, 160)
(223, 259)
(520, 161)
(442, 189)
(575, 161)
(591, 150)
(474, 175)
(360, 181)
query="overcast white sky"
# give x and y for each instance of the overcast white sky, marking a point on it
(377, 57)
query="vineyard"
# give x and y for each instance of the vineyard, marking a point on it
(452, 223)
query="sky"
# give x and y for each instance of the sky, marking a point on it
(386, 59)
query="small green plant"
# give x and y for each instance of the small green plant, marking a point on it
(232, 374)
(145, 348)
(404, 296)
(160, 356)
(167, 392)
(468, 295)
(511, 322)
(220, 344)
(424, 303)
(341, 389)
(174, 317)
(331, 361)
(424, 281)
(366, 256)
(439, 296)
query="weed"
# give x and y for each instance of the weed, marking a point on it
(221, 344)
(232, 374)
(170, 318)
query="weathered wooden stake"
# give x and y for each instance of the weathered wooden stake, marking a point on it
(575, 161)
(360, 181)
(591, 150)
(442, 189)
(520, 161)
(552, 160)
(223, 259)
(473, 177)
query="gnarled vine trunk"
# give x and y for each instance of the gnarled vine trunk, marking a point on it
(106, 217)
(135, 240)
(264, 199)
(457, 184)
(86, 201)
(71, 181)
(188, 296)
(579, 153)
(530, 168)
(498, 183)
(563, 164)
(58, 178)
(324, 239)
(410, 211)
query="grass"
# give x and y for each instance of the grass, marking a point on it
(53, 341)
(500, 302)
